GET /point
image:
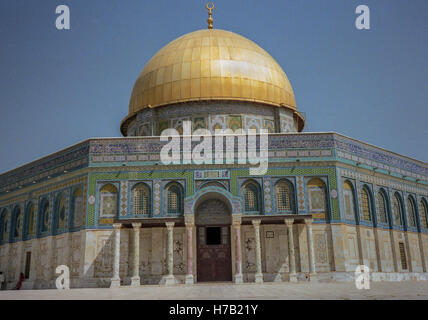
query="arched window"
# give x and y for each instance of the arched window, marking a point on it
(108, 201)
(60, 212)
(411, 212)
(17, 222)
(251, 197)
(30, 219)
(423, 213)
(4, 226)
(382, 207)
(77, 207)
(398, 210)
(141, 198)
(44, 215)
(366, 204)
(284, 196)
(317, 195)
(348, 200)
(174, 194)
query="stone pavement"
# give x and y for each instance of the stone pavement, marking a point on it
(229, 291)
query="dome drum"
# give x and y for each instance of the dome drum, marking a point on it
(213, 115)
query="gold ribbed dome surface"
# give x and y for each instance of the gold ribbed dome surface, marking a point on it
(211, 65)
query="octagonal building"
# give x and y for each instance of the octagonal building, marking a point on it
(116, 214)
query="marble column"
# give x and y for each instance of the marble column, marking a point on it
(259, 274)
(189, 276)
(291, 254)
(135, 280)
(170, 279)
(115, 281)
(238, 253)
(312, 271)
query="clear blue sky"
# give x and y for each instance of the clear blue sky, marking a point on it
(61, 87)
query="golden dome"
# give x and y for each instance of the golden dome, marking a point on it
(211, 64)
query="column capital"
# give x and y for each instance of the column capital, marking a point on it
(308, 221)
(236, 219)
(256, 223)
(289, 221)
(189, 219)
(117, 226)
(136, 225)
(170, 225)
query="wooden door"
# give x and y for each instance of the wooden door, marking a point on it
(214, 254)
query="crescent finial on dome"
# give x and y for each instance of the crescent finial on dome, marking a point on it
(210, 8)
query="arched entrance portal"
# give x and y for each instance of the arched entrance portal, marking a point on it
(213, 220)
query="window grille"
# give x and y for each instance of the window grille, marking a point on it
(366, 205)
(403, 256)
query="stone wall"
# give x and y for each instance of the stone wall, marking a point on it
(90, 253)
